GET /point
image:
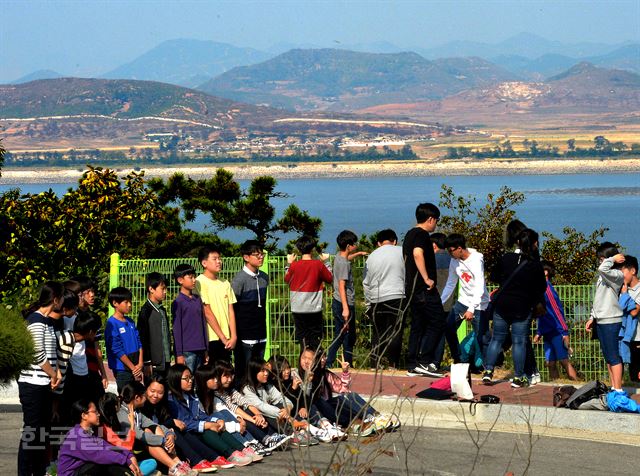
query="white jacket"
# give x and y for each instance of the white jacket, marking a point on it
(470, 273)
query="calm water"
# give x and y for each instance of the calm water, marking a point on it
(366, 205)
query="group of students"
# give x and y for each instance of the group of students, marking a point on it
(198, 414)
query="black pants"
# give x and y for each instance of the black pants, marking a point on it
(309, 328)
(218, 352)
(243, 353)
(388, 323)
(427, 327)
(634, 366)
(190, 447)
(36, 418)
(93, 469)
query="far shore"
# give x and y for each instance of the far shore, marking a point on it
(311, 170)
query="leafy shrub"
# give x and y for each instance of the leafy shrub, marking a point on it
(16, 351)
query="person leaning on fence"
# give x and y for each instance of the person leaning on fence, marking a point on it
(606, 314)
(466, 268)
(190, 337)
(383, 285)
(306, 278)
(343, 304)
(630, 304)
(250, 287)
(553, 329)
(124, 350)
(153, 327)
(522, 286)
(421, 280)
(218, 299)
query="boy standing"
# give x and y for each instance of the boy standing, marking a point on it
(189, 326)
(306, 278)
(606, 314)
(630, 304)
(421, 280)
(153, 327)
(553, 329)
(250, 287)
(344, 302)
(218, 299)
(124, 350)
(466, 268)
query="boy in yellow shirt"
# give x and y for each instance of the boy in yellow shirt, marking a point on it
(218, 299)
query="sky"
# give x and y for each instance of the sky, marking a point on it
(91, 37)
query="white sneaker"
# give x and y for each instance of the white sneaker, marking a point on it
(535, 379)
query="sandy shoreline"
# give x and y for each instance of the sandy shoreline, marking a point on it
(346, 170)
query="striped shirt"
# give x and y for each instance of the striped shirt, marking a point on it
(66, 343)
(43, 334)
(233, 399)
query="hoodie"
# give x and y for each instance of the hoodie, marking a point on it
(606, 308)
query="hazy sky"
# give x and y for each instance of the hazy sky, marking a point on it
(91, 37)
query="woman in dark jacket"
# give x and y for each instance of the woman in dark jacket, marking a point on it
(522, 287)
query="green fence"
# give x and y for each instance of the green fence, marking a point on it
(577, 300)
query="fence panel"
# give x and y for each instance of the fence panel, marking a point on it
(577, 301)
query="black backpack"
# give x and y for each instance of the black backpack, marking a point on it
(587, 392)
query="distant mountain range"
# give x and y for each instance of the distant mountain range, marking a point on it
(40, 74)
(187, 62)
(329, 79)
(584, 89)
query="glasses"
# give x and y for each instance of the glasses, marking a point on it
(92, 411)
(258, 254)
(187, 379)
(451, 250)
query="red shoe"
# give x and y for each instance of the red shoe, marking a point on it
(205, 467)
(221, 463)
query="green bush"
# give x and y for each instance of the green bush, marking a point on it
(16, 351)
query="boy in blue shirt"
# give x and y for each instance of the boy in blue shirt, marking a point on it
(124, 349)
(630, 304)
(552, 327)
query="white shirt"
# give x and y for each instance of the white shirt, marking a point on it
(470, 273)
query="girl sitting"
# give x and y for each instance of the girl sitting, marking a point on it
(156, 440)
(188, 445)
(237, 403)
(185, 406)
(83, 453)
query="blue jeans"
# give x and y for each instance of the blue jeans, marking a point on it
(193, 360)
(519, 334)
(609, 342)
(453, 323)
(346, 338)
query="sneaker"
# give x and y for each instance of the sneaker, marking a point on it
(535, 379)
(239, 459)
(221, 463)
(251, 453)
(260, 449)
(205, 467)
(322, 435)
(182, 469)
(300, 440)
(414, 372)
(367, 429)
(519, 382)
(277, 441)
(430, 370)
(487, 377)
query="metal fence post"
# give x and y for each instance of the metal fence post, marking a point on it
(267, 304)
(114, 271)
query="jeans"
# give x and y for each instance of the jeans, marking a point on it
(340, 337)
(388, 323)
(243, 353)
(519, 334)
(427, 326)
(608, 337)
(123, 377)
(193, 360)
(453, 323)
(36, 417)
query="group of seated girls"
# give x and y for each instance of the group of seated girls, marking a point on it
(200, 423)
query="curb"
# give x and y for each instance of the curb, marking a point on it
(605, 426)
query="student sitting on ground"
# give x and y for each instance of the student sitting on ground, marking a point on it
(238, 404)
(156, 440)
(188, 446)
(83, 453)
(185, 406)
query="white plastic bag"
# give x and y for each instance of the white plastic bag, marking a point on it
(459, 383)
